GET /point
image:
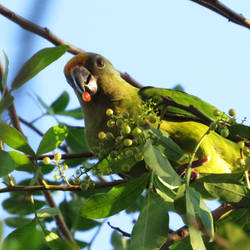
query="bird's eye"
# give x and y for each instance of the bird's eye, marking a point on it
(99, 62)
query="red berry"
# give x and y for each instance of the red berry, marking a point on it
(86, 96)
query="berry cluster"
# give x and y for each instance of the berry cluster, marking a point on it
(122, 140)
(60, 167)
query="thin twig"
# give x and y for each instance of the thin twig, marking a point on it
(120, 231)
(223, 10)
(183, 232)
(21, 188)
(30, 125)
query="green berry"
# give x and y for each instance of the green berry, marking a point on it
(46, 160)
(129, 153)
(119, 122)
(101, 135)
(224, 132)
(139, 157)
(232, 112)
(78, 172)
(217, 112)
(127, 142)
(65, 166)
(213, 126)
(91, 184)
(152, 119)
(84, 186)
(110, 136)
(106, 171)
(241, 144)
(110, 123)
(77, 180)
(126, 130)
(109, 112)
(57, 176)
(241, 162)
(136, 131)
(57, 157)
(126, 167)
(125, 115)
(87, 179)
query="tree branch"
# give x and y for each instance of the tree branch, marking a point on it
(36, 29)
(223, 10)
(21, 188)
(65, 156)
(48, 35)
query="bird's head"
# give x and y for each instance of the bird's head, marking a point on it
(90, 73)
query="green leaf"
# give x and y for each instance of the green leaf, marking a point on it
(47, 212)
(14, 139)
(5, 73)
(182, 244)
(44, 105)
(191, 210)
(239, 217)
(233, 178)
(52, 139)
(167, 194)
(75, 113)
(60, 103)
(71, 214)
(240, 130)
(118, 198)
(19, 203)
(118, 241)
(228, 192)
(151, 229)
(16, 221)
(6, 101)
(36, 63)
(234, 235)
(22, 162)
(160, 165)
(201, 211)
(116, 165)
(56, 243)
(166, 145)
(7, 163)
(26, 237)
(77, 141)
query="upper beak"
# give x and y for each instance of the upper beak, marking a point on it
(79, 76)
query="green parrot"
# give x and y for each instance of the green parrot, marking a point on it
(99, 87)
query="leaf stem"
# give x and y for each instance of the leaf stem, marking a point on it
(247, 179)
(189, 167)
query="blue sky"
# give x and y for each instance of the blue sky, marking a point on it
(159, 43)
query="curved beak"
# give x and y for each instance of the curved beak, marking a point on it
(78, 76)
